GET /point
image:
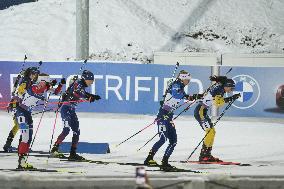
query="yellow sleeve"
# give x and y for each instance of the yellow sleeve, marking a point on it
(22, 88)
(219, 100)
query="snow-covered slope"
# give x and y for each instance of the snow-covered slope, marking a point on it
(133, 30)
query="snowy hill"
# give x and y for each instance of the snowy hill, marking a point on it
(132, 30)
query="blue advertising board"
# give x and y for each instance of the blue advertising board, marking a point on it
(124, 87)
(138, 88)
(261, 89)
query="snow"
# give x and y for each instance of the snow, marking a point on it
(131, 30)
(258, 142)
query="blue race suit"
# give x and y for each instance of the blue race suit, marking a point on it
(166, 127)
(68, 114)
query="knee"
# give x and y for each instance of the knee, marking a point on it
(162, 139)
(66, 130)
(76, 132)
(173, 142)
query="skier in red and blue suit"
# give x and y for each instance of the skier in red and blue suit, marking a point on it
(74, 93)
(29, 99)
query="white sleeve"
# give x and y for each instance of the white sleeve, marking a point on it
(208, 99)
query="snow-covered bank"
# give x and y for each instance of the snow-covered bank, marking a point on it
(131, 30)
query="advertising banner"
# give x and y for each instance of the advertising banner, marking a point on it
(138, 88)
(124, 87)
(262, 91)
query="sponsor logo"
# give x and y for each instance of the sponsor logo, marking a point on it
(249, 89)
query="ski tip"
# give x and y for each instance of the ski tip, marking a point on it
(85, 60)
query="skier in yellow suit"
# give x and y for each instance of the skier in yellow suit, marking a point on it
(214, 96)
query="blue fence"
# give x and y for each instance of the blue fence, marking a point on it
(138, 88)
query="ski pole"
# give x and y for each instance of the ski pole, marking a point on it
(52, 135)
(65, 102)
(148, 141)
(189, 106)
(141, 130)
(40, 119)
(42, 113)
(48, 110)
(136, 133)
(158, 133)
(39, 64)
(221, 115)
(206, 91)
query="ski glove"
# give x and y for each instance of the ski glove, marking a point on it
(231, 98)
(12, 105)
(50, 84)
(197, 96)
(92, 98)
(220, 79)
(63, 81)
(53, 82)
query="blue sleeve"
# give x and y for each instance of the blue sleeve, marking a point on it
(217, 90)
(177, 91)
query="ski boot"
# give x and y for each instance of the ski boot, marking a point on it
(209, 158)
(74, 156)
(149, 160)
(22, 164)
(205, 155)
(165, 164)
(7, 147)
(55, 152)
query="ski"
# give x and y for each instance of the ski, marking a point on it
(137, 164)
(107, 162)
(41, 170)
(217, 163)
(175, 169)
(16, 151)
(87, 161)
(46, 155)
